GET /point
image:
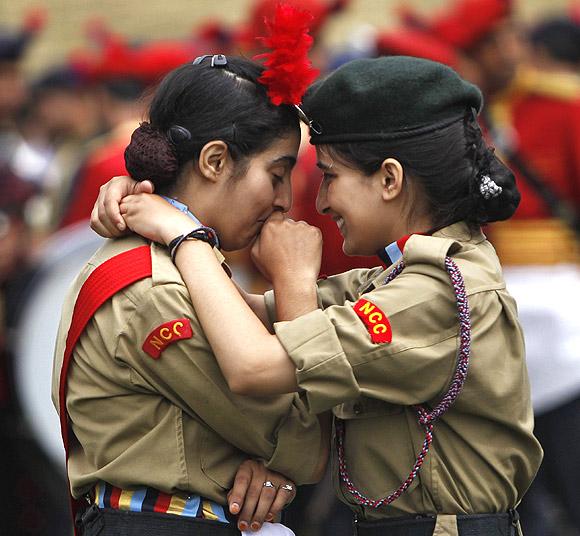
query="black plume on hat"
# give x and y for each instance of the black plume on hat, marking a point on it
(386, 98)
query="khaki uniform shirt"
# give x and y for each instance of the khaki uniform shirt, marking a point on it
(169, 423)
(484, 456)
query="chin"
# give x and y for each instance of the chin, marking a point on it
(350, 249)
(237, 243)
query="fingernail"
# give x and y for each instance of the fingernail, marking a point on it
(269, 517)
(242, 525)
(255, 526)
(121, 226)
(234, 508)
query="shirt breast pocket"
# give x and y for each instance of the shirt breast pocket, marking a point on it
(381, 444)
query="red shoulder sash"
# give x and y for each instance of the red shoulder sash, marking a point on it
(104, 282)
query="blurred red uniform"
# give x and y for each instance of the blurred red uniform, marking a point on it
(106, 161)
(542, 116)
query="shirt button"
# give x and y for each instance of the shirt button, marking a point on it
(358, 408)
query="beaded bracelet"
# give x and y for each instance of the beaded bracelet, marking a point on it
(205, 234)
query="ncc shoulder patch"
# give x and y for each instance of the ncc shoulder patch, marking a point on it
(165, 334)
(375, 320)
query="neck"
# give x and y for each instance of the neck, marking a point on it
(200, 199)
(404, 228)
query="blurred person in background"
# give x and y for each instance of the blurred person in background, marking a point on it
(29, 496)
(62, 114)
(31, 493)
(15, 154)
(122, 74)
(13, 89)
(118, 92)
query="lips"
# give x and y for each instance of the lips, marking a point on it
(339, 222)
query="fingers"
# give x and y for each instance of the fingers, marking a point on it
(100, 223)
(143, 187)
(251, 501)
(112, 197)
(237, 494)
(285, 494)
(96, 225)
(258, 495)
(263, 507)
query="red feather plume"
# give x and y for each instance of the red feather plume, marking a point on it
(288, 71)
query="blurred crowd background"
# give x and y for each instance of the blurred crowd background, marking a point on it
(75, 79)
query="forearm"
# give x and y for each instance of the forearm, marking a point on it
(257, 304)
(295, 296)
(252, 360)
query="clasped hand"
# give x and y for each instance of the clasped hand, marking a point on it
(285, 249)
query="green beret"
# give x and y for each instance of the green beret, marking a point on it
(386, 98)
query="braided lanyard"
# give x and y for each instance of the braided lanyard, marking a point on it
(425, 418)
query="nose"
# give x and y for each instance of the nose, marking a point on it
(283, 196)
(321, 199)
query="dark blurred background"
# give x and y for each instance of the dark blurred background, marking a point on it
(75, 78)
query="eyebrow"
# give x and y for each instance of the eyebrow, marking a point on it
(286, 159)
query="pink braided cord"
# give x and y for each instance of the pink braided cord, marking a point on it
(425, 418)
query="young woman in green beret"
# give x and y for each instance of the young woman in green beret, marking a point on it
(422, 362)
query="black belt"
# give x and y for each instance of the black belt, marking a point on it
(108, 522)
(504, 524)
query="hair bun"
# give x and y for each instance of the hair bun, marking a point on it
(150, 156)
(505, 204)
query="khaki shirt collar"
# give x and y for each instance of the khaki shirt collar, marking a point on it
(461, 232)
(419, 247)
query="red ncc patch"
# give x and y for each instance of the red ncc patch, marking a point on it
(375, 320)
(165, 334)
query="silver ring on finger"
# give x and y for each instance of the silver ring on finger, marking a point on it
(287, 487)
(268, 484)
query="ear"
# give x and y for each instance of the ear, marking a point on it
(392, 177)
(213, 160)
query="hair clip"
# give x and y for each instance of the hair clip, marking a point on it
(312, 125)
(488, 188)
(178, 134)
(217, 60)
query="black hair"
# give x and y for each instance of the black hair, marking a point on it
(195, 104)
(448, 164)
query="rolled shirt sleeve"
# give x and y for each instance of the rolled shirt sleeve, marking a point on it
(337, 360)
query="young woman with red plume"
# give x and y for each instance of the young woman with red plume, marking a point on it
(153, 434)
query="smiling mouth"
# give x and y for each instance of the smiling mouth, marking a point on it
(339, 223)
